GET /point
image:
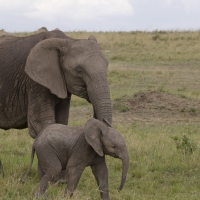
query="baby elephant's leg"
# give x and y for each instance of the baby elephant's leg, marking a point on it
(52, 168)
(43, 184)
(40, 171)
(74, 173)
(100, 172)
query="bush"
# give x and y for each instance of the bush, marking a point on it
(184, 144)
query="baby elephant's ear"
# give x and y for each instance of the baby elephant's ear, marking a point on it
(93, 131)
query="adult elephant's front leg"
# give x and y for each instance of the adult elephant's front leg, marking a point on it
(41, 110)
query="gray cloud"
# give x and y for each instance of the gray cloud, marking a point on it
(99, 15)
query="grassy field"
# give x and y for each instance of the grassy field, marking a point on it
(154, 83)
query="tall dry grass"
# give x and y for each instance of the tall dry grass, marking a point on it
(136, 46)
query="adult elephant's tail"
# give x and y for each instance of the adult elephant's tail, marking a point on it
(30, 165)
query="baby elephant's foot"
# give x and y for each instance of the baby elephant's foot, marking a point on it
(40, 195)
(67, 193)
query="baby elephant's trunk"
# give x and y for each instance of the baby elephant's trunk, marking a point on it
(30, 165)
(125, 166)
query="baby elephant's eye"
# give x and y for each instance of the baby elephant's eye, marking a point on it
(113, 146)
(79, 70)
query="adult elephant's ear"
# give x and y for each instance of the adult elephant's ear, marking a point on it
(43, 66)
(93, 131)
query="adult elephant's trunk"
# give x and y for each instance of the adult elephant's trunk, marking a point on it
(99, 95)
(125, 165)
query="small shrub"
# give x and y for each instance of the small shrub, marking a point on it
(183, 96)
(121, 104)
(121, 107)
(184, 144)
(183, 109)
(156, 37)
(192, 111)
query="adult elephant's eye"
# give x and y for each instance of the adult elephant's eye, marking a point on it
(79, 70)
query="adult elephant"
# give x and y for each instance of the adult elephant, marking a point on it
(39, 73)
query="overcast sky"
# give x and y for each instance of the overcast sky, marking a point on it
(99, 15)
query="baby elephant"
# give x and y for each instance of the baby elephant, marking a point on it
(59, 147)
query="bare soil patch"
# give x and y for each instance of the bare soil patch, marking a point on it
(153, 106)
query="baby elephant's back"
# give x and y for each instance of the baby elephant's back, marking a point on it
(56, 142)
(57, 135)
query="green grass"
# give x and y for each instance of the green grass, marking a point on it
(161, 166)
(158, 169)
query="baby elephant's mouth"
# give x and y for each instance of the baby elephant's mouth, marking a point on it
(110, 153)
(115, 155)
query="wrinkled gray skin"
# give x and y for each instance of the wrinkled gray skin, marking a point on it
(60, 147)
(39, 73)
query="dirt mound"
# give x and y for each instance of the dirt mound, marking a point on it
(2, 32)
(158, 106)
